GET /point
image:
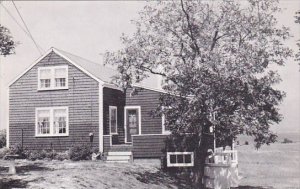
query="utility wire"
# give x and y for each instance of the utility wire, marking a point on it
(14, 19)
(40, 50)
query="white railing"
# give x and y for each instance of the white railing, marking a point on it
(226, 157)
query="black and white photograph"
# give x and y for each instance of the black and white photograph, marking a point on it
(174, 94)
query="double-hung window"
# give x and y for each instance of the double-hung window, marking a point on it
(52, 121)
(113, 119)
(53, 78)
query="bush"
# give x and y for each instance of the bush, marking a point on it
(3, 152)
(80, 152)
(286, 140)
(246, 143)
(2, 138)
(62, 156)
(18, 150)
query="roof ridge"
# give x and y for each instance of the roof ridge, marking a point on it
(98, 64)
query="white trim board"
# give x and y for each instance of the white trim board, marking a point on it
(101, 138)
(7, 127)
(125, 119)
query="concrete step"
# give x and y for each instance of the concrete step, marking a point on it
(119, 153)
(118, 158)
(123, 161)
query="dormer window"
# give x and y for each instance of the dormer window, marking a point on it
(53, 78)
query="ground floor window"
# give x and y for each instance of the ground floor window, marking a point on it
(52, 121)
(180, 159)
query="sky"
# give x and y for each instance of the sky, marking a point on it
(90, 28)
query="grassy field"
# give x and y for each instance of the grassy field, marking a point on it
(275, 166)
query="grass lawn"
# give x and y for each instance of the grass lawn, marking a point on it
(275, 166)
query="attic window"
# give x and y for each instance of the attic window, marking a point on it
(53, 78)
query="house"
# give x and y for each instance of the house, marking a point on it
(63, 99)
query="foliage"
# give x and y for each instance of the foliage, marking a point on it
(246, 143)
(214, 58)
(297, 17)
(286, 140)
(7, 45)
(17, 149)
(3, 152)
(62, 156)
(2, 138)
(80, 152)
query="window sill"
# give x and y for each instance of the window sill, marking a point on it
(114, 133)
(61, 135)
(52, 89)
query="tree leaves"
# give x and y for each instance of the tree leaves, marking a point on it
(215, 57)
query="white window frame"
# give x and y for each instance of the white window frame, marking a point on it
(113, 108)
(125, 119)
(163, 120)
(169, 164)
(52, 78)
(51, 120)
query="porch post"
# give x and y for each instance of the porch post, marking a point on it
(101, 117)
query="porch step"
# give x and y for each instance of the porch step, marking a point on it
(120, 157)
(119, 153)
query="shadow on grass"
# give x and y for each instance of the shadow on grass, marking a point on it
(161, 178)
(8, 183)
(252, 187)
(33, 167)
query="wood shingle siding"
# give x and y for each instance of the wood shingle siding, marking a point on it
(148, 146)
(148, 100)
(81, 97)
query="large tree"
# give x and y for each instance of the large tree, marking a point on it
(214, 58)
(7, 45)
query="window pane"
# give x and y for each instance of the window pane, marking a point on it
(60, 121)
(60, 73)
(45, 83)
(188, 158)
(113, 120)
(173, 159)
(179, 158)
(43, 122)
(60, 82)
(45, 73)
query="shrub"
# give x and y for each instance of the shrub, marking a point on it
(2, 138)
(80, 152)
(62, 156)
(246, 143)
(18, 150)
(3, 152)
(286, 140)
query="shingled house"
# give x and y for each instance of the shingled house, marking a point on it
(63, 99)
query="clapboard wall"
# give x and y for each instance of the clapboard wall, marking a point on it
(82, 98)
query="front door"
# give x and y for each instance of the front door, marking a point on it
(132, 123)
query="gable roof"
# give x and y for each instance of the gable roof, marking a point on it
(97, 71)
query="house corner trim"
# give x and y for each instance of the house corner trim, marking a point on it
(7, 126)
(101, 143)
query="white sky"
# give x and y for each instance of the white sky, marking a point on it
(92, 27)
